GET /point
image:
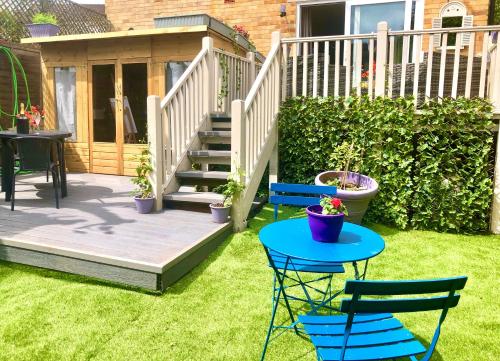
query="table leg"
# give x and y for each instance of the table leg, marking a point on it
(280, 276)
(64, 185)
(7, 169)
(356, 271)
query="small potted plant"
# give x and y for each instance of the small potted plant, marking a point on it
(230, 190)
(143, 195)
(36, 117)
(326, 219)
(44, 24)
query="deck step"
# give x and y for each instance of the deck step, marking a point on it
(220, 117)
(210, 156)
(221, 125)
(215, 137)
(198, 177)
(194, 197)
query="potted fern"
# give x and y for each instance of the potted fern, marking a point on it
(230, 190)
(143, 194)
(44, 24)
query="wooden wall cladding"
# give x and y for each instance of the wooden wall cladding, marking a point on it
(29, 57)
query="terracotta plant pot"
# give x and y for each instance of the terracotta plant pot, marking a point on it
(144, 205)
(324, 227)
(220, 214)
(43, 30)
(356, 202)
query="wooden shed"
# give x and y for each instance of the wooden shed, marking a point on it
(96, 86)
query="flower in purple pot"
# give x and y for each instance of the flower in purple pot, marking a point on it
(326, 220)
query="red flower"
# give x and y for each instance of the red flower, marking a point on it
(336, 202)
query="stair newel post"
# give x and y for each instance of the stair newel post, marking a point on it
(208, 76)
(381, 61)
(156, 148)
(252, 73)
(238, 159)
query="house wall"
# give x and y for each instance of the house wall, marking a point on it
(83, 155)
(259, 17)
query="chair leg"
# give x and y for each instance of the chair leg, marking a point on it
(13, 192)
(47, 175)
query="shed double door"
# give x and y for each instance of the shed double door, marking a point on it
(117, 115)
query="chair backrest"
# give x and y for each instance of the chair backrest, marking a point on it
(447, 287)
(34, 152)
(297, 195)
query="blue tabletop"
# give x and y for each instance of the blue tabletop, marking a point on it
(293, 238)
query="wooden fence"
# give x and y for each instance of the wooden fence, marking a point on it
(30, 59)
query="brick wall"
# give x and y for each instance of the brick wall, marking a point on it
(259, 17)
(478, 8)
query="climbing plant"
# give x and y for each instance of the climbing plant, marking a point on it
(433, 169)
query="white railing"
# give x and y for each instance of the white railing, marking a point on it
(211, 82)
(184, 108)
(422, 63)
(254, 131)
(234, 75)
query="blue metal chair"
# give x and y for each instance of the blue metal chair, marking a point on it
(300, 195)
(369, 331)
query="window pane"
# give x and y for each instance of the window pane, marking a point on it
(135, 95)
(364, 18)
(173, 71)
(65, 79)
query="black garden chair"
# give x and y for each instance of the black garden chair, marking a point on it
(35, 155)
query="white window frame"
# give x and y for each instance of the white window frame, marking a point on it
(419, 11)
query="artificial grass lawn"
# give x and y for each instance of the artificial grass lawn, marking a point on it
(221, 310)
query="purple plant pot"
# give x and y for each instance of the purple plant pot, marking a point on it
(324, 227)
(356, 202)
(144, 205)
(43, 30)
(220, 214)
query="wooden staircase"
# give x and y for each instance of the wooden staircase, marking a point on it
(214, 162)
(194, 148)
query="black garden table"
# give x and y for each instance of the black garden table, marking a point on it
(8, 157)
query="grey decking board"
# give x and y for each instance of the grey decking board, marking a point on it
(96, 204)
(193, 258)
(80, 267)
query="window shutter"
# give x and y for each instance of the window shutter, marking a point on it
(467, 22)
(437, 23)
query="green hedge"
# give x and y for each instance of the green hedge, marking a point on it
(434, 170)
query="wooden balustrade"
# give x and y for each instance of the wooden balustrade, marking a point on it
(234, 75)
(254, 131)
(422, 63)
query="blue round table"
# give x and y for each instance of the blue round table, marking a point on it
(293, 238)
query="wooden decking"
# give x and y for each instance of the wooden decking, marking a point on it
(97, 232)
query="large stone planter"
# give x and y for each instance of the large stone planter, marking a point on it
(356, 202)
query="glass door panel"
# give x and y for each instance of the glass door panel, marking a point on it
(135, 94)
(103, 103)
(106, 145)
